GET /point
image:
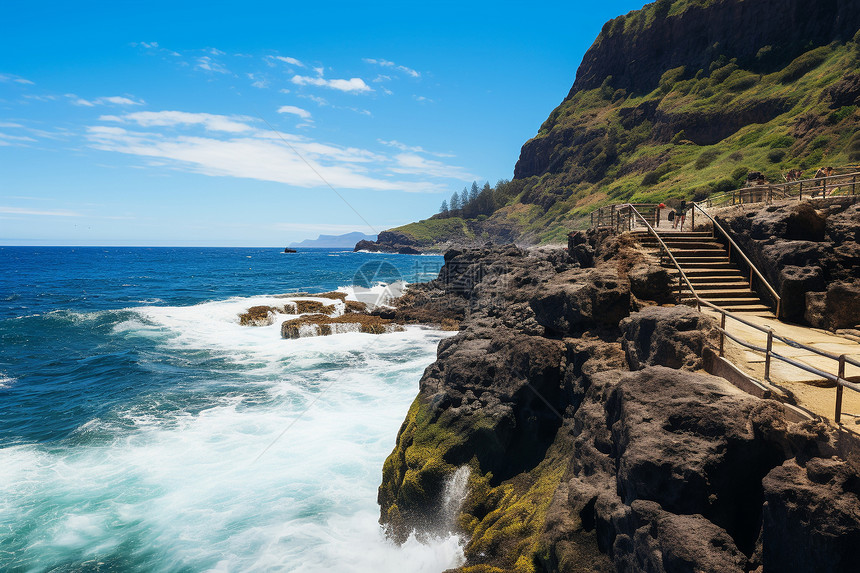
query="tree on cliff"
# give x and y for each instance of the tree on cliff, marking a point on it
(444, 207)
(455, 201)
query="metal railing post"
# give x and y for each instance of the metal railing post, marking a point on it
(722, 332)
(854, 185)
(767, 355)
(801, 190)
(839, 388)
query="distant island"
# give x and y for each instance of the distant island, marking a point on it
(346, 241)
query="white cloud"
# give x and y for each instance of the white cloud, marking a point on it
(291, 61)
(119, 100)
(211, 122)
(16, 79)
(248, 152)
(22, 211)
(389, 64)
(351, 85)
(108, 100)
(208, 64)
(320, 101)
(302, 113)
(413, 148)
(412, 164)
(14, 138)
(258, 81)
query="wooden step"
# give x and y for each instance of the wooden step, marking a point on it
(719, 282)
(702, 265)
(719, 294)
(708, 272)
(733, 302)
(698, 252)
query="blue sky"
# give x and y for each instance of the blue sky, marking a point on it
(213, 123)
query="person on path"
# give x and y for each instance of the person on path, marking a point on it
(680, 215)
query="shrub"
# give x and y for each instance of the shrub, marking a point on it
(720, 74)
(737, 156)
(680, 136)
(819, 142)
(775, 155)
(619, 94)
(740, 174)
(840, 114)
(803, 64)
(661, 8)
(740, 81)
(701, 193)
(706, 158)
(670, 78)
(651, 178)
(781, 141)
(854, 146)
(726, 184)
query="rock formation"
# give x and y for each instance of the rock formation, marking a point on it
(809, 252)
(594, 441)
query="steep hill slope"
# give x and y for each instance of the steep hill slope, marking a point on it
(681, 99)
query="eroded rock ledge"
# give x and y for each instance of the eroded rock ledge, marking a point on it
(587, 451)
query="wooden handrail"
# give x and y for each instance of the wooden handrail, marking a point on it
(740, 252)
(813, 183)
(839, 379)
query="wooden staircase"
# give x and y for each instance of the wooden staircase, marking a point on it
(709, 269)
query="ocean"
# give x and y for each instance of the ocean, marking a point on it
(143, 429)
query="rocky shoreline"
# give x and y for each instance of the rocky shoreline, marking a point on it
(593, 439)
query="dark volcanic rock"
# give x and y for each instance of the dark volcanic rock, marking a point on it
(811, 517)
(673, 337)
(390, 242)
(794, 283)
(804, 223)
(801, 250)
(838, 307)
(576, 463)
(651, 282)
(579, 300)
(693, 447)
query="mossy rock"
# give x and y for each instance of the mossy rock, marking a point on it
(258, 316)
(311, 306)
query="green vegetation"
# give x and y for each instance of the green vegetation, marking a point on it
(700, 131)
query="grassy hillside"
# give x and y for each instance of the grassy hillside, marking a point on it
(697, 132)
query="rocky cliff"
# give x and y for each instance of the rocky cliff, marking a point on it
(634, 50)
(592, 438)
(682, 99)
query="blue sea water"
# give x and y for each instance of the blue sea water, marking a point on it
(143, 429)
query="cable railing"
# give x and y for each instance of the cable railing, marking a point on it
(628, 212)
(845, 184)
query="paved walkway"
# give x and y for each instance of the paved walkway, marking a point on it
(811, 392)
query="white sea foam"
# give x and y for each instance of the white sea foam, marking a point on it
(189, 487)
(6, 381)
